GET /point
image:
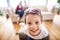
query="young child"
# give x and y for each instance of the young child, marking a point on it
(34, 28)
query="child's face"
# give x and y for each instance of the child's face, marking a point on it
(34, 23)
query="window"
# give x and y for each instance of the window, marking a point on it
(14, 3)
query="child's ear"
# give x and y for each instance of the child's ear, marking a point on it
(41, 19)
(7, 16)
(25, 20)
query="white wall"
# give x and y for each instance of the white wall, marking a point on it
(3, 3)
(37, 2)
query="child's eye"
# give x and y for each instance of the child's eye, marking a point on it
(37, 22)
(29, 23)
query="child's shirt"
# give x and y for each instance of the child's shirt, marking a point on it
(44, 32)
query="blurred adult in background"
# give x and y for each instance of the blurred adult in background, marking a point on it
(25, 6)
(19, 10)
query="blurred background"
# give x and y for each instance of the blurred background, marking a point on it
(50, 10)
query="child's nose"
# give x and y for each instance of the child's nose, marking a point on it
(34, 26)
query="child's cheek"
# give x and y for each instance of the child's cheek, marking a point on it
(29, 27)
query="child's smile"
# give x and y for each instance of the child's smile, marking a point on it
(34, 30)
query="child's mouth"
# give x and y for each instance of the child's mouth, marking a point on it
(34, 30)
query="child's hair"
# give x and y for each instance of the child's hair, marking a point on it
(33, 12)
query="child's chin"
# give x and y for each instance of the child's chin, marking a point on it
(35, 33)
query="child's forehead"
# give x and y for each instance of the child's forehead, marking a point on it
(31, 17)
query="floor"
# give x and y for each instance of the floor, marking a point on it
(16, 27)
(54, 33)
